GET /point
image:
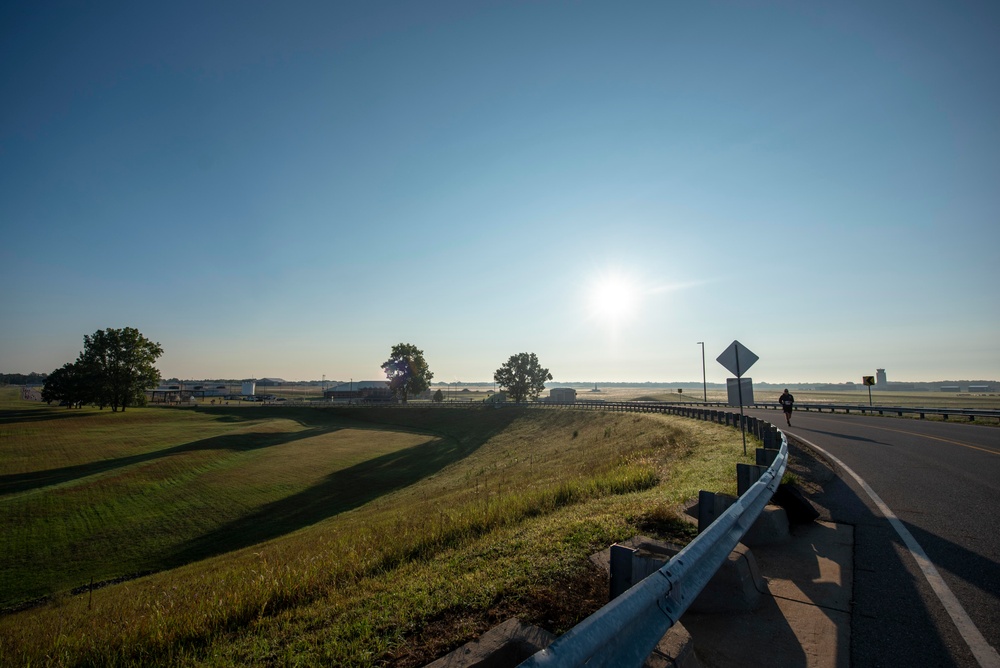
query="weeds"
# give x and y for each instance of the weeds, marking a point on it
(518, 507)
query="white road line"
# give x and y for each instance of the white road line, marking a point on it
(982, 650)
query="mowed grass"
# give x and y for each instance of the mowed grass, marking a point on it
(340, 537)
(134, 483)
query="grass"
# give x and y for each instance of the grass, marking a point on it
(341, 536)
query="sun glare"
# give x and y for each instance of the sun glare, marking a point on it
(614, 299)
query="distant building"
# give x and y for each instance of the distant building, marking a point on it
(980, 388)
(880, 379)
(950, 388)
(362, 390)
(496, 398)
(249, 388)
(562, 395)
(209, 390)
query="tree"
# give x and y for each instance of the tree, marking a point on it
(438, 396)
(69, 383)
(407, 371)
(522, 376)
(119, 364)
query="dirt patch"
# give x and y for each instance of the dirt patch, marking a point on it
(555, 606)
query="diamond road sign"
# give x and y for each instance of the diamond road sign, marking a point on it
(737, 358)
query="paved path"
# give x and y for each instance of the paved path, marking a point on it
(942, 481)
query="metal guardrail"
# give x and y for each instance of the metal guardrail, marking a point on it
(675, 407)
(626, 631)
(971, 413)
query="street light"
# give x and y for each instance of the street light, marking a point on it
(704, 385)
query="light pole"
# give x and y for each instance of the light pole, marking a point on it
(704, 384)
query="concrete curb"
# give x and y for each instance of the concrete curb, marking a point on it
(503, 646)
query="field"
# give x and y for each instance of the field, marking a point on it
(859, 397)
(344, 536)
(459, 393)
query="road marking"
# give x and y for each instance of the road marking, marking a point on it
(986, 656)
(936, 438)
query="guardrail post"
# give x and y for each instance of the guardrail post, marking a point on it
(621, 569)
(710, 506)
(746, 476)
(766, 457)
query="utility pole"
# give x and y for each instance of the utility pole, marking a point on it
(704, 384)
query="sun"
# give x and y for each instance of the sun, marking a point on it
(613, 299)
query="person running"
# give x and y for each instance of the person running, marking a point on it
(787, 401)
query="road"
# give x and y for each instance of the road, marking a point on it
(942, 481)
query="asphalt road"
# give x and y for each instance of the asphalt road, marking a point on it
(942, 480)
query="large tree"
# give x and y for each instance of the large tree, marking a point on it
(407, 371)
(522, 376)
(69, 383)
(120, 364)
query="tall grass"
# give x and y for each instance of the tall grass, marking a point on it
(520, 500)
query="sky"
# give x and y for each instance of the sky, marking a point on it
(289, 189)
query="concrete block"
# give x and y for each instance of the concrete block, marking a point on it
(770, 528)
(675, 650)
(799, 510)
(503, 646)
(736, 587)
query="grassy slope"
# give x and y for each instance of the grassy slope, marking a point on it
(164, 488)
(493, 513)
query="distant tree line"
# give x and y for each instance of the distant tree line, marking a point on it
(114, 369)
(22, 378)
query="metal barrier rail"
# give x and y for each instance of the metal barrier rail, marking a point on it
(666, 407)
(971, 413)
(626, 631)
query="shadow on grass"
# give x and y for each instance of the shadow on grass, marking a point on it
(451, 436)
(340, 491)
(22, 482)
(463, 425)
(43, 414)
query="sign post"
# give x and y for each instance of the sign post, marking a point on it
(869, 381)
(737, 358)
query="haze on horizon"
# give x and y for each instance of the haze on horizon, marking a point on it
(289, 190)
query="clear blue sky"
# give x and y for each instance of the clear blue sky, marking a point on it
(289, 189)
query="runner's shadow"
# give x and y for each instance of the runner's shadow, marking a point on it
(846, 436)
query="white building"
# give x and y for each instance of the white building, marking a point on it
(562, 395)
